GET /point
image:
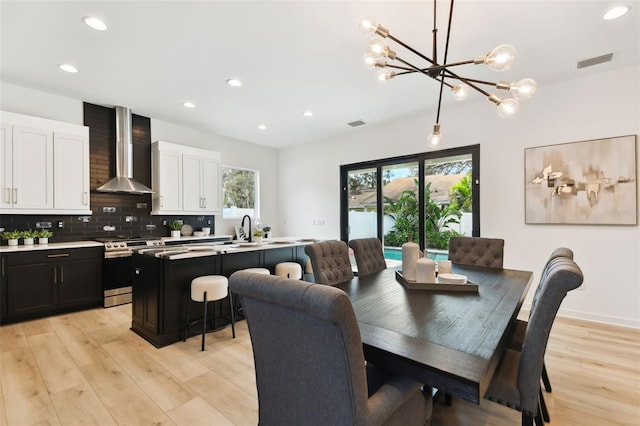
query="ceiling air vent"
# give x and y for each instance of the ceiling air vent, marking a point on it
(595, 61)
(356, 123)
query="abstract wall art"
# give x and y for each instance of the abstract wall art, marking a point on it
(590, 182)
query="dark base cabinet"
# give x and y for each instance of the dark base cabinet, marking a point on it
(40, 283)
(161, 288)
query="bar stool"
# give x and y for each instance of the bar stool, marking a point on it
(264, 271)
(289, 270)
(205, 289)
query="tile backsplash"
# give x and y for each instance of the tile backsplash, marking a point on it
(129, 214)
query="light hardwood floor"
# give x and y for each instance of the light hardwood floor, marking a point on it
(89, 368)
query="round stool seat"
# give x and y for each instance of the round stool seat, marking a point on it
(264, 271)
(289, 270)
(216, 287)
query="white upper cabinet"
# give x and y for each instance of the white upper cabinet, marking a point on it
(45, 166)
(185, 180)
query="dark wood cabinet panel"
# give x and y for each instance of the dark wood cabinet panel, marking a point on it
(46, 282)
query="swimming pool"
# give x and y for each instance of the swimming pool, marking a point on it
(395, 253)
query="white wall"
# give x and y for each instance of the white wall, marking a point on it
(586, 108)
(233, 152)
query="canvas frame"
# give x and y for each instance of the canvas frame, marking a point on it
(591, 182)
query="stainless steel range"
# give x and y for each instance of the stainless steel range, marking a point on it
(117, 269)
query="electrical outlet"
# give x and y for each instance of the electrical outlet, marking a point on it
(60, 224)
(43, 225)
(164, 223)
(108, 210)
(318, 222)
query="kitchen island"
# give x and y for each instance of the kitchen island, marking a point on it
(162, 280)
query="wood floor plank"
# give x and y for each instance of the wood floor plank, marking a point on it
(594, 369)
(79, 405)
(56, 366)
(122, 397)
(198, 412)
(26, 400)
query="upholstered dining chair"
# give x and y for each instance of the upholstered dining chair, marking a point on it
(516, 338)
(330, 262)
(476, 251)
(516, 382)
(309, 361)
(369, 255)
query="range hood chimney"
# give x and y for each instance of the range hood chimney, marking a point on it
(123, 182)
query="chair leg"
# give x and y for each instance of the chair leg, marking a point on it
(204, 319)
(545, 378)
(527, 420)
(538, 418)
(543, 407)
(233, 317)
(186, 323)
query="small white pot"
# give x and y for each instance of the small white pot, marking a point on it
(257, 240)
(28, 241)
(12, 242)
(42, 240)
(175, 234)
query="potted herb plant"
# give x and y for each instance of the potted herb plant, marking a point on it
(267, 231)
(257, 236)
(175, 227)
(43, 236)
(28, 236)
(11, 237)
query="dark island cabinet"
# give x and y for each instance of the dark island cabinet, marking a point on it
(46, 282)
(161, 288)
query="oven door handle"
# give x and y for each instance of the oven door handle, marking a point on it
(117, 255)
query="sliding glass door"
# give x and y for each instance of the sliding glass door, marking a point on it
(428, 197)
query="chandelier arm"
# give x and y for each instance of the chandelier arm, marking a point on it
(412, 50)
(446, 46)
(420, 70)
(435, 34)
(400, 68)
(454, 64)
(465, 80)
(488, 83)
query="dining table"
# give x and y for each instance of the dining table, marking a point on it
(451, 340)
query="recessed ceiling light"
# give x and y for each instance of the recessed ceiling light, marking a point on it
(68, 68)
(95, 23)
(615, 12)
(189, 104)
(307, 113)
(234, 82)
(262, 127)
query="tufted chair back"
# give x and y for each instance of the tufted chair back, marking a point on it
(369, 255)
(330, 262)
(475, 251)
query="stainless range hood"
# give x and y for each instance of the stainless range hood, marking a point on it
(124, 182)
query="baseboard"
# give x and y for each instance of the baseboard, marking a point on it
(587, 316)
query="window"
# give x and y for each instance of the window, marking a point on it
(241, 193)
(430, 196)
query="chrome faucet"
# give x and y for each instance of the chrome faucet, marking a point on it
(246, 216)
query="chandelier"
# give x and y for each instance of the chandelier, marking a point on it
(379, 55)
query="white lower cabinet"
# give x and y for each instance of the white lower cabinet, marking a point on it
(185, 180)
(45, 166)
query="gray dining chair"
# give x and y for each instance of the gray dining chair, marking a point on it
(477, 251)
(330, 262)
(369, 255)
(309, 360)
(516, 338)
(516, 382)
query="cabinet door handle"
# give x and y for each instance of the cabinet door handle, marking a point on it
(85, 198)
(204, 203)
(162, 201)
(55, 275)
(58, 255)
(61, 274)
(15, 195)
(3, 266)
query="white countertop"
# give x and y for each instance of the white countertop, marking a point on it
(188, 251)
(50, 246)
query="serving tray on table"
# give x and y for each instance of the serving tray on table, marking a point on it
(469, 286)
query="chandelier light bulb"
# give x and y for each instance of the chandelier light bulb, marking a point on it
(435, 138)
(501, 58)
(507, 108)
(460, 92)
(523, 89)
(367, 25)
(369, 60)
(386, 75)
(377, 47)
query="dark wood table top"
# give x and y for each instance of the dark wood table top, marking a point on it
(449, 340)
